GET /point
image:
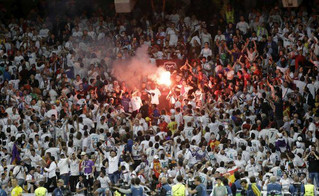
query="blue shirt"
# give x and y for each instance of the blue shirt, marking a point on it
(201, 190)
(6, 76)
(125, 103)
(295, 190)
(274, 187)
(57, 192)
(168, 189)
(137, 191)
(2, 192)
(229, 192)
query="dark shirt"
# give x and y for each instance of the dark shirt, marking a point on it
(144, 111)
(279, 109)
(126, 103)
(57, 192)
(34, 83)
(201, 191)
(313, 163)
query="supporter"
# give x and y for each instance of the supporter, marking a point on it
(154, 93)
(2, 192)
(136, 188)
(30, 179)
(253, 188)
(226, 184)
(273, 187)
(19, 173)
(81, 189)
(166, 188)
(88, 168)
(105, 184)
(219, 189)
(312, 158)
(74, 171)
(242, 25)
(200, 188)
(63, 166)
(236, 186)
(51, 169)
(297, 187)
(59, 190)
(244, 189)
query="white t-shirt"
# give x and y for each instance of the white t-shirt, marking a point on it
(230, 74)
(301, 85)
(150, 152)
(18, 172)
(179, 118)
(298, 162)
(188, 131)
(206, 37)
(251, 55)
(195, 38)
(74, 167)
(155, 94)
(105, 181)
(187, 119)
(136, 103)
(240, 163)
(113, 163)
(35, 160)
(206, 52)
(54, 152)
(242, 26)
(255, 144)
(63, 165)
(172, 36)
(51, 170)
(272, 135)
(219, 37)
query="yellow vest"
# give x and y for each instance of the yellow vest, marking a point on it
(16, 191)
(41, 191)
(309, 190)
(178, 190)
(116, 193)
(230, 16)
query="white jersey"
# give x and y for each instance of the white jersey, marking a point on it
(155, 94)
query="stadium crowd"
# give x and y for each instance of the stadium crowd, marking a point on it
(242, 114)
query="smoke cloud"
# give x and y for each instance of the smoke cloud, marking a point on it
(137, 69)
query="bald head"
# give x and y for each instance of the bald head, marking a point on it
(163, 180)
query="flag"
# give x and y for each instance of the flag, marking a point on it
(255, 189)
(230, 175)
(156, 168)
(15, 154)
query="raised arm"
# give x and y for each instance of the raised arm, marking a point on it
(272, 89)
(255, 46)
(227, 49)
(245, 46)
